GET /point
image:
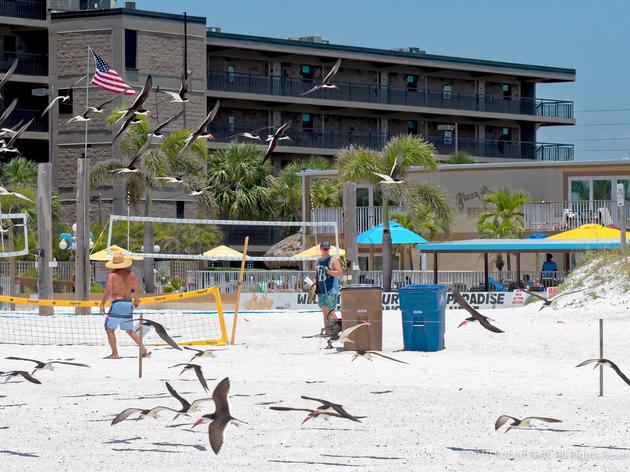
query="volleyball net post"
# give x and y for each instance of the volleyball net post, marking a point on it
(238, 289)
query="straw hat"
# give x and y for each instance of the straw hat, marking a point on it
(119, 261)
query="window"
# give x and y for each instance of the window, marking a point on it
(580, 190)
(363, 196)
(506, 134)
(626, 186)
(131, 48)
(447, 91)
(602, 189)
(412, 127)
(179, 209)
(65, 108)
(307, 122)
(412, 82)
(507, 90)
(448, 137)
(307, 72)
(231, 73)
(9, 44)
(231, 123)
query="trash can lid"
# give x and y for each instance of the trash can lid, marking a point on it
(422, 287)
(360, 287)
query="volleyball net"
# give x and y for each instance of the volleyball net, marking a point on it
(191, 318)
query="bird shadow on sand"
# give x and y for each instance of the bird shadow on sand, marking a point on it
(199, 447)
(147, 397)
(612, 448)
(554, 430)
(137, 449)
(122, 441)
(315, 463)
(17, 453)
(13, 405)
(268, 403)
(103, 420)
(4, 427)
(248, 395)
(363, 457)
(87, 395)
(316, 428)
(473, 449)
(382, 392)
(314, 381)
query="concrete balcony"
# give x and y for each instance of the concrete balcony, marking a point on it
(28, 9)
(39, 125)
(388, 95)
(560, 216)
(505, 149)
(28, 64)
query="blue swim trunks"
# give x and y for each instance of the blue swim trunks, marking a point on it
(120, 315)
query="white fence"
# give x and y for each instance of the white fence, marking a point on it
(559, 216)
(367, 217)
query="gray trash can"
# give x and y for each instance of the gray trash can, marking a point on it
(360, 303)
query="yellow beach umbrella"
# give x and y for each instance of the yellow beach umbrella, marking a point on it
(102, 256)
(223, 251)
(590, 231)
(315, 252)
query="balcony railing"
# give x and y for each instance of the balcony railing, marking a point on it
(33, 9)
(28, 64)
(383, 94)
(23, 115)
(559, 216)
(367, 217)
(335, 139)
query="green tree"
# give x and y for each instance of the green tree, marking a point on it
(157, 162)
(503, 217)
(359, 164)
(240, 182)
(461, 158)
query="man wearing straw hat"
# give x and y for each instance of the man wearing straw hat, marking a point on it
(122, 290)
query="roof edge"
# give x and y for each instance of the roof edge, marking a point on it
(129, 12)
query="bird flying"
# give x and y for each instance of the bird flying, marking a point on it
(476, 316)
(14, 373)
(551, 300)
(48, 365)
(7, 112)
(187, 407)
(393, 177)
(325, 83)
(327, 405)
(180, 96)
(607, 362)
(518, 423)
(150, 413)
(198, 370)
(63, 98)
(200, 132)
(5, 192)
(201, 353)
(9, 148)
(160, 331)
(273, 142)
(136, 106)
(6, 77)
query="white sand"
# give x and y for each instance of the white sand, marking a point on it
(433, 415)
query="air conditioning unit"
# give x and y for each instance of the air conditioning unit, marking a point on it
(97, 4)
(214, 29)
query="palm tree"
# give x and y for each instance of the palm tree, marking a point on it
(359, 164)
(325, 193)
(461, 158)
(504, 218)
(240, 182)
(157, 162)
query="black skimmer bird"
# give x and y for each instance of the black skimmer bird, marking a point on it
(6, 113)
(82, 118)
(157, 132)
(273, 142)
(63, 98)
(393, 177)
(368, 355)
(101, 106)
(180, 96)
(202, 353)
(49, 365)
(9, 148)
(187, 407)
(551, 300)
(178, 179)
(476, 316)
(6, 78)
(344, 336)
(251, 134)
(5, 192)
(325, 83)
(327, 406)
(196, 193)
(607, 362)
(14, 373)
(136, 106)
(312, 413)
(221, 416)
(149, 413)
(518, 423)
(201, 131)
(134, 120)
(160, 331)
(198, 370)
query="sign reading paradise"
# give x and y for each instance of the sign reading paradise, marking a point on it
(390, 301)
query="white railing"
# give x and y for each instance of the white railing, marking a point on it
(367, 217)
(292, 281)
(559, 216)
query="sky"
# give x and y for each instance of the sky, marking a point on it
(591, 37)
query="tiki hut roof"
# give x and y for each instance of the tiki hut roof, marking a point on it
(289, 246)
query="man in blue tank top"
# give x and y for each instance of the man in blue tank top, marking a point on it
(327, 279)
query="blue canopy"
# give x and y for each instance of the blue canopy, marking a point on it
(536, 236)
(399, 234)
(520, 245)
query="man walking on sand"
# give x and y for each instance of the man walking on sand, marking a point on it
(122, 290)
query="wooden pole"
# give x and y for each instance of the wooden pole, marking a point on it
(601, 356)
(350, 230)
(140, 349)
(241, 276)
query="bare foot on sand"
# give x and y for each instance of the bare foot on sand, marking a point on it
(112, 356)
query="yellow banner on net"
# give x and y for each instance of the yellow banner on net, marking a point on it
(169, 297)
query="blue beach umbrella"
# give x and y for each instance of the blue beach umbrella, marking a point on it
(399, 234)
(536, 236)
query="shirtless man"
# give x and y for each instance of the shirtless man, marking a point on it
(122, 290)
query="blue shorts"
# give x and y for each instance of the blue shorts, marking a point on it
(120, 315)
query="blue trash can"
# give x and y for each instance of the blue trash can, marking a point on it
(423, 316)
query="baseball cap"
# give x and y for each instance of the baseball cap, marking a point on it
(324, 245)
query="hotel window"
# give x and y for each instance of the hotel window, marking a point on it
(447, 91)
(591, 188)
(448, 137)
(412, 82)
(307, 122)
(412, 127)
(506, 134)
(131, 48)
(179, 210)
(230, 73)
(307, 72)
(231, 123)
(507, 90)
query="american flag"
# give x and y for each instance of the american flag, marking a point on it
(108, 79)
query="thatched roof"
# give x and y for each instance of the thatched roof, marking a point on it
(287, 247)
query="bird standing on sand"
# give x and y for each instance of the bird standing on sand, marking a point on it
(325, 83)
(40, 365)
(518, 423)
(607, 362)
(221, 416)
(393, 178)
(476, 316)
